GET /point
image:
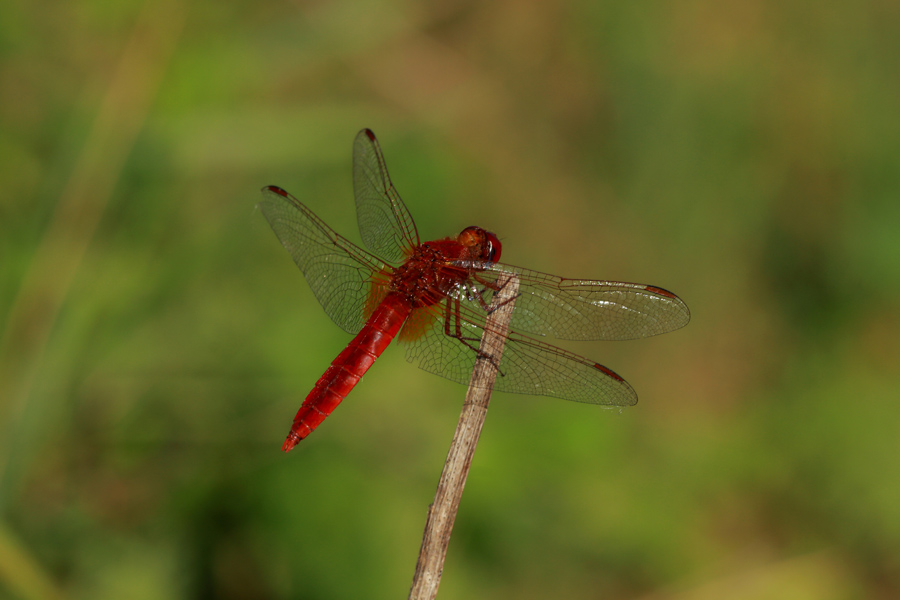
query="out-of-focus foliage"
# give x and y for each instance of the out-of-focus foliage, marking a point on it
(156, 340)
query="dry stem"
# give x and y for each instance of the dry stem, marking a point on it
(442, 512)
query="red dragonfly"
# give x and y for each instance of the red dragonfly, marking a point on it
(435, 296)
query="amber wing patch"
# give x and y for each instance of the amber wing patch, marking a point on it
(377, 291)
(417, 324)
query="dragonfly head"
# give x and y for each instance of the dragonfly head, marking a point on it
(482, 245)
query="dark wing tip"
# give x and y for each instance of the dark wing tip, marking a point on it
(369, 133)
(686, 312)
(275, 189)
(608, 371)
(627, 396)
(660, 291)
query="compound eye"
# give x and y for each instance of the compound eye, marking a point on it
(493, 247)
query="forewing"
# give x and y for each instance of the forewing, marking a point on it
(528, 366)
(385, 224)
(340, 273)
(580, 309)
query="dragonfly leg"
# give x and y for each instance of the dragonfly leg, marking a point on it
(451, 311)
(504, 303)
(494, 287)
(479, 295)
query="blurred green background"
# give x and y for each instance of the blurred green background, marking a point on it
(156, 340)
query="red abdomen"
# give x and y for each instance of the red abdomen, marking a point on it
(349, 366)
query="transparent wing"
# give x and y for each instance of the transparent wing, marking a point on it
(528, 366)
(386, 227)
(581, 309)
(339, 272)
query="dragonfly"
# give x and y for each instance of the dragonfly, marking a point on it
(435, 297)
